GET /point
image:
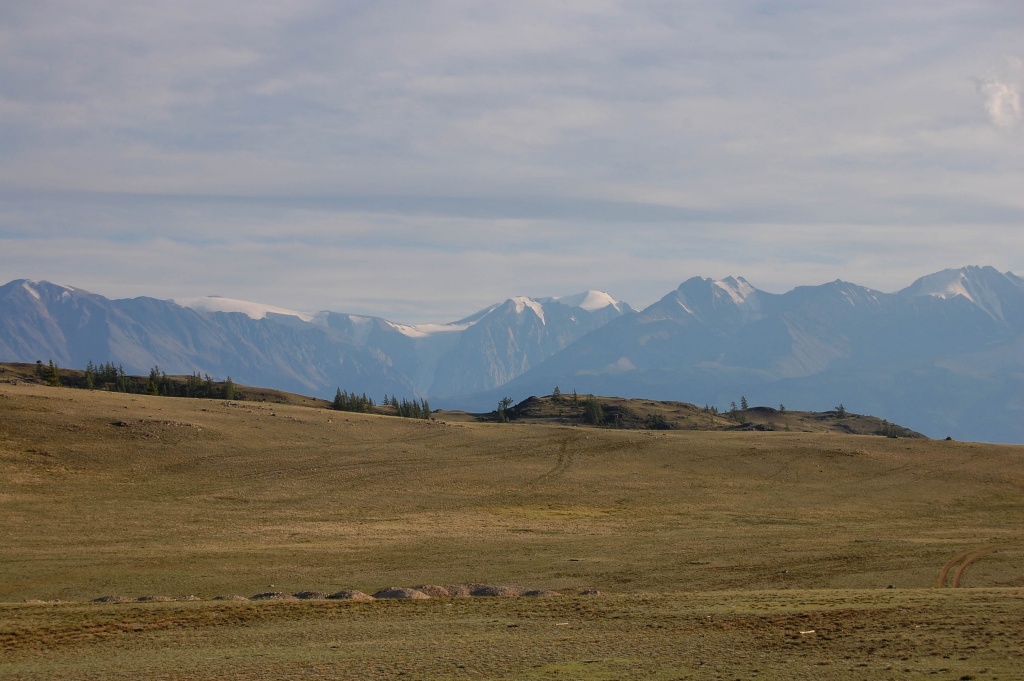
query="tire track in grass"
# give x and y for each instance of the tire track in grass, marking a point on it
(964, 560)
(566, 459)
(942, 581)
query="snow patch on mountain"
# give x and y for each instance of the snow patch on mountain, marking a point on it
(944, 284)
(522, 303)
(590, 301)
(250, 309)
(31, 291)
(686, 309)
(33, 287)
(739, 289)
(425, 330)
(983, 286)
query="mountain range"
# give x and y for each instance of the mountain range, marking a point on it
(944, 356)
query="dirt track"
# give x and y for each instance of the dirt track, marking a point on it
(962, 561)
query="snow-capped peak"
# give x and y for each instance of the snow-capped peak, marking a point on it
(32, 287)
(738, 288)
(250, 309)
(978, 285)
(588, 300)
(522, 303)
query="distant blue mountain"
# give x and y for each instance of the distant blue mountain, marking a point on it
(945, 356)
(312, 354)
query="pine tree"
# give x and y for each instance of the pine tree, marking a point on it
(593, 411)
(503, 406)
(51, 377)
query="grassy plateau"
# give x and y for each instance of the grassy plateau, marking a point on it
(677, 554)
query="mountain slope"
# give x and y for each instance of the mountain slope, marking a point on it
(313, 353)
(938, 362)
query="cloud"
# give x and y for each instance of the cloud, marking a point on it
(469, 151)
(1002, 94)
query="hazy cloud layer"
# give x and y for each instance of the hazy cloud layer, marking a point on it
(423, 159)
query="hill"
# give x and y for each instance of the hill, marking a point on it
(641, 414)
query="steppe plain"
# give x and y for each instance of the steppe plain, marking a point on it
(714, 555)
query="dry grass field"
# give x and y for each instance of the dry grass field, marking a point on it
(717, 555)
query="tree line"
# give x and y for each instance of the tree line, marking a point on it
(112, 378)
(411, 409)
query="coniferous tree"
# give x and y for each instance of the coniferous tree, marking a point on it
(51, 377)
(593, 411)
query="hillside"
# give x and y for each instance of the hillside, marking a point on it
(641, 414)
(746, 551)
(616, 412)
(289, 490)
(20, 372)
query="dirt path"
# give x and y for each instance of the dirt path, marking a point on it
(567, 452)
(961, 562)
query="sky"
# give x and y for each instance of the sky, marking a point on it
(420, 160)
